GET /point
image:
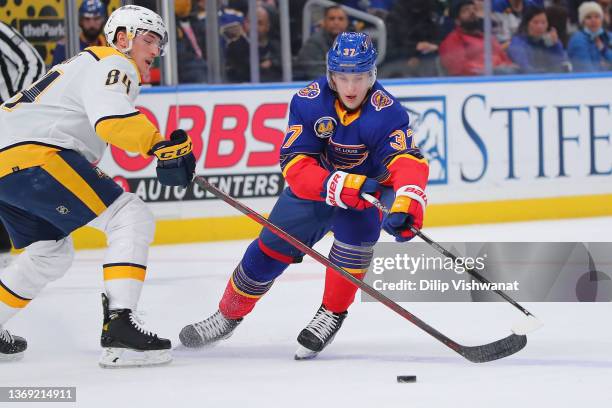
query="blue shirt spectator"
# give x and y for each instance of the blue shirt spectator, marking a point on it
(535, 48)
(589, 49)
(500, 6)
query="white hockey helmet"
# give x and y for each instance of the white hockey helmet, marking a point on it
(135, 20)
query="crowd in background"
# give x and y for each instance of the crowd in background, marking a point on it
(425, 38)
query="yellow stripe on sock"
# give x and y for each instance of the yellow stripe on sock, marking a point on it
(69, 178)
(241, 293)
(11, 300)
(354, 271)
(124, 272)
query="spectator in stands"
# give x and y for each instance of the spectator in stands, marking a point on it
(200, 10)
(378, 8)
(243, 5)
(414, 38)
(237, 51)
(310, 62)
(462, 51)
(607, 9)
(589, 48)
(296, 11)
(190, 45)
(558, 18)
(536, 48)
(507, 15)
(92, 17)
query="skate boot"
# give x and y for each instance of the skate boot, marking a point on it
(319, 333)
(11, 347)
(127, 344)
(209, 331)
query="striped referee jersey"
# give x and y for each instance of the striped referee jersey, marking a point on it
(20, 63)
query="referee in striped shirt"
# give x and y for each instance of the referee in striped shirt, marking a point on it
(20, 66)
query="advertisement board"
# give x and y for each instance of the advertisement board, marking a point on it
(517, 148)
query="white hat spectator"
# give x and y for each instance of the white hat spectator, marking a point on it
(587, 8)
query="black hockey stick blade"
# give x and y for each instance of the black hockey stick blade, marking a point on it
(494, 351)
(477, 354)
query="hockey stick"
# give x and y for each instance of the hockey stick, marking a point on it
(476, 354)
(521, 328)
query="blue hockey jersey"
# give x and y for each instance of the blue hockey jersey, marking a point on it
(360, 142)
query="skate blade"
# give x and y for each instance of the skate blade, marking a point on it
(11, 357)
(128, 358)
(303, 353)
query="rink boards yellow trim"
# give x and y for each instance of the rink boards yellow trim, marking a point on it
(241, 227)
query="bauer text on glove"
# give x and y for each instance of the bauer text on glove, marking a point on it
(344, 190)
(407, 211)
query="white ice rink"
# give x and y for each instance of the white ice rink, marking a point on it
(567, 363)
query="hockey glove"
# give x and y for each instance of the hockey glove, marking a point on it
(344, 190)
(407, 211)
(175, 160)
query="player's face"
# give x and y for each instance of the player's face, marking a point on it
(352, 88)
(145, 48)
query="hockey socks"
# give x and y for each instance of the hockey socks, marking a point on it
(339, 293)
(251, 279)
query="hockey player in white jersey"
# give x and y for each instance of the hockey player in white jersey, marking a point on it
(50, 134)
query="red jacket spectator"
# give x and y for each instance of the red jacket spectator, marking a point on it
(462, 51)
(463, 54)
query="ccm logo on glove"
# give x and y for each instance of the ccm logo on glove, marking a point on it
(175, 160)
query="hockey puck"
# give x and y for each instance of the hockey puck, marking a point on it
(406, 378)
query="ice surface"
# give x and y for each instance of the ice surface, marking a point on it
(567, 363)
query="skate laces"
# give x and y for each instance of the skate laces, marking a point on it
(214, 326)
(137, 322)
(323, 323)
(6, 336)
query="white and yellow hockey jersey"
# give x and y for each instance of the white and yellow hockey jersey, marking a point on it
(81, 104)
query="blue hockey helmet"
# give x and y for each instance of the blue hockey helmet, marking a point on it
(352, 53)
(92, 8)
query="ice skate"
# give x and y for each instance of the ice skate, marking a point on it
(209, 331)
(127, 344)
(319, 333)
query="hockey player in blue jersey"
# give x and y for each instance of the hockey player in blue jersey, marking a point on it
(346, 135)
